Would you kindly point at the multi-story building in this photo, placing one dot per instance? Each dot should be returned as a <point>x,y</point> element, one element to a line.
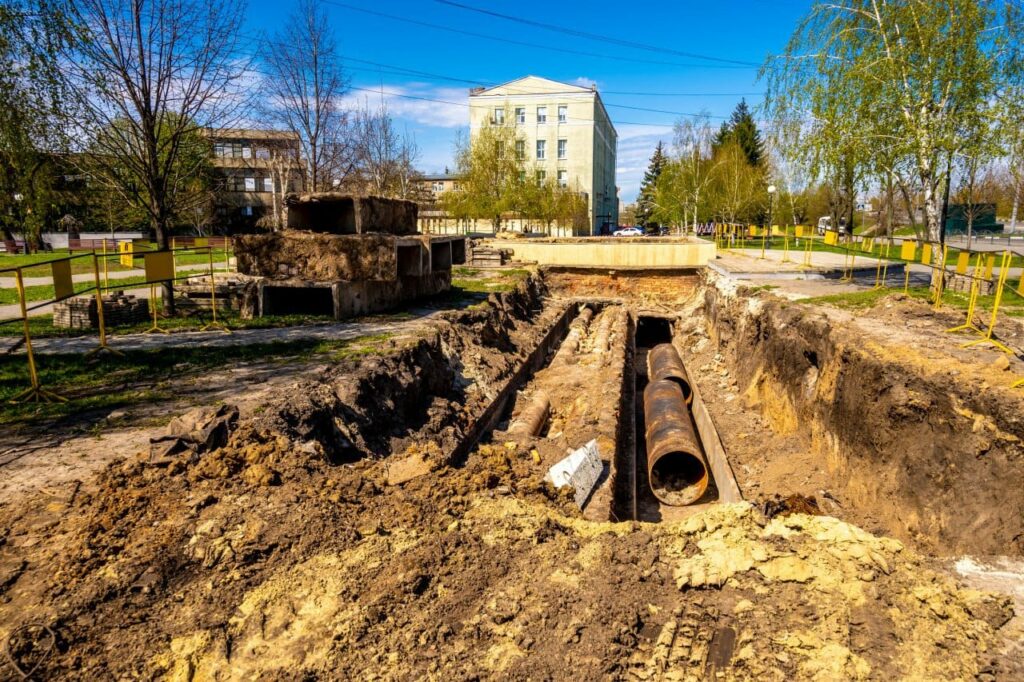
<point>255,169</point>
<point>566,134</point>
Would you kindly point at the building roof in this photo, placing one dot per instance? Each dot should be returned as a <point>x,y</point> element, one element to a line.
<point>439,176</point>
<point>530,85</point>
<point>251,134</point>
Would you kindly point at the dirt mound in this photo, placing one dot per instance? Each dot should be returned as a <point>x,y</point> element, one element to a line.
<point>923,438</point>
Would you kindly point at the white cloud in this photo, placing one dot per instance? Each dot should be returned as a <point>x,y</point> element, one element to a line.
<point>636,144</point>
<point>418,103</point>
<point>584,82</point>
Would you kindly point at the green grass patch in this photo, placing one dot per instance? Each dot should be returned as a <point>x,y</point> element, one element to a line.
<point>41,326</point>
<point>1012,304</point>
<point>147,376</point>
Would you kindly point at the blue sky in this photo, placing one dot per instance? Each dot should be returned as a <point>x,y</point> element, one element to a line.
<point>737,30</point>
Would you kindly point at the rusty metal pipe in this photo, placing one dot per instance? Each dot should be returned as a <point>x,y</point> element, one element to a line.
<point>663,362</point>
<point>533,417</point>
<point>676,467</point>
<point>577,330</point>
<point>604,330</point>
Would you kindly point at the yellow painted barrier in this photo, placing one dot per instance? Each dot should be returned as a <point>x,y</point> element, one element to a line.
<point>799,231</point>
<point>908,250</point>
<point>214,324</point>
<point>926,254</point>
<point>35,392</point>
<point>831,238</point>
<point>63,286</point>
<point>972,300</point>
<point>1004,270</point>
<point>125,249</point>
<point>990,262</point>
<point>962,260</point>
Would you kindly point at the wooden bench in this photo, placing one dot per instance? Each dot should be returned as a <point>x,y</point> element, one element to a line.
<point>92,245</point>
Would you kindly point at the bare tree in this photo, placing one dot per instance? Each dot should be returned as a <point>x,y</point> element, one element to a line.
<point>386,158</point>
<point>150,76</point>
<point>305,83</point>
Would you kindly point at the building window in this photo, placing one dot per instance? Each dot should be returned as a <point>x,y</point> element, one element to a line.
<point>499,116</point>
<point>218,150</point>
<point>520,149</point>
<point>250,184</point>
<point>522,176</point>
<point>262,153</point>
<point>246,152</point>
<point>542,114</point>
<point>268,184</point>
<point>563,113</point>
<point>541,177</point>
<point>541,149</point>
<point>563,178</point>
<point>247,210</point>
<point>500,147</point>
<point>520,114</point>
<point>438,187</point>
<point>563,146</point>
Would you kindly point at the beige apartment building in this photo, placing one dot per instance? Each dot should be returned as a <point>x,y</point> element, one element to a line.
<point>255,169</point>
<point>567,135</point>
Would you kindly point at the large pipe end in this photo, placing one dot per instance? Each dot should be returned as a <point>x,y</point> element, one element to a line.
<point>678,478</point>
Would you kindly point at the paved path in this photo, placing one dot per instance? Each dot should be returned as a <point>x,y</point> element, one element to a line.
<point>341,331</point>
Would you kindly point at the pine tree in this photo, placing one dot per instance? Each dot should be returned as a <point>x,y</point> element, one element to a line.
<point>649,186</point>
<point>742,129</point>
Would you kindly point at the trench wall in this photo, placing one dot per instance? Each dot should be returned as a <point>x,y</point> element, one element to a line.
<point>935,458</point>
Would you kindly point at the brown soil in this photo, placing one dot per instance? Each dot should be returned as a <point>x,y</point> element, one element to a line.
<point>342,533</point>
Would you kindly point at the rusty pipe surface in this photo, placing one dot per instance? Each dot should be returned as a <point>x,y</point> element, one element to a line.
<point>663,362</point>
<point>533,417</point>
<point>604,329</point>
<point>676,468</point>
<point>577,330</point>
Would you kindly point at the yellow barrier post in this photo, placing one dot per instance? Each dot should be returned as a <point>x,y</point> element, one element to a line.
<point>764,241</point>
<point>214,324</point>
<point>104,346</point>
<point>1004,269</point>
<point>106,279</point>
<point>940,283</point>
<point>35,392</point>
<point>785,245</point>
<point>972,301</point>
<point>153,308</point>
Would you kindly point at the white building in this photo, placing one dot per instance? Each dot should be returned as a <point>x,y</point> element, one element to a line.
<point>568,136</point>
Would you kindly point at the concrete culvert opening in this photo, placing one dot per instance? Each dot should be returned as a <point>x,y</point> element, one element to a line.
<point>298,301</point>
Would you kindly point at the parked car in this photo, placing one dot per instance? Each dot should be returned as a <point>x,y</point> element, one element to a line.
<point>628,232</point>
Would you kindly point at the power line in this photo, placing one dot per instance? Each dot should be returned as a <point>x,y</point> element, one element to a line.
<point>593,36</point>
<point>536,46</point>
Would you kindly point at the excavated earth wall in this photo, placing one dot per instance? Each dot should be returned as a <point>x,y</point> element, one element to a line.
<point>933,451</point>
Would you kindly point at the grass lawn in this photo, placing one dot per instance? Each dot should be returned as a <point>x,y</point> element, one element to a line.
<point>41,326</point>
<point>82,264</point>
<point>817,245</point>
<point>1012,303</point>
<point>147,376</point>
<point>473,281</point>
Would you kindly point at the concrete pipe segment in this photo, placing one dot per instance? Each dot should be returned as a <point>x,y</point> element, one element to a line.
<point>532,419</point>
<point>663,362</point>
<point>676,468</point>
<point>577,330</point>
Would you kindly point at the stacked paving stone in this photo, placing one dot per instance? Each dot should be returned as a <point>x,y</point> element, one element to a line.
<point>486,257</point>
<point>79,312</point>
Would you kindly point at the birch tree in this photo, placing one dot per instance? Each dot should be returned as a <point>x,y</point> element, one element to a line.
<point>903,73</point>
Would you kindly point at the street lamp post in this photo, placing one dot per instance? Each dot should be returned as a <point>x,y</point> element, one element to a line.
<point>768,227</point>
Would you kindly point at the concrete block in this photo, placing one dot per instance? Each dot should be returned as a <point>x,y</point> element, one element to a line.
<point>581,469</point>
<point>337,213</point>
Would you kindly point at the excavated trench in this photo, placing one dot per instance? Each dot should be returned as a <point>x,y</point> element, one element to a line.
<point>392,515</point>
<point>546,369</point>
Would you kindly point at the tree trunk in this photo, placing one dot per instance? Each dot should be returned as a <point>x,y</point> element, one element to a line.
<point>1013,212</point>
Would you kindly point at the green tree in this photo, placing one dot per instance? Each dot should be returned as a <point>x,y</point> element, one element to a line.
<point>900,79</point>
<point>741,128</point>
<point>32,33</point>
<point>646,201</point>
<point>491,177</point>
